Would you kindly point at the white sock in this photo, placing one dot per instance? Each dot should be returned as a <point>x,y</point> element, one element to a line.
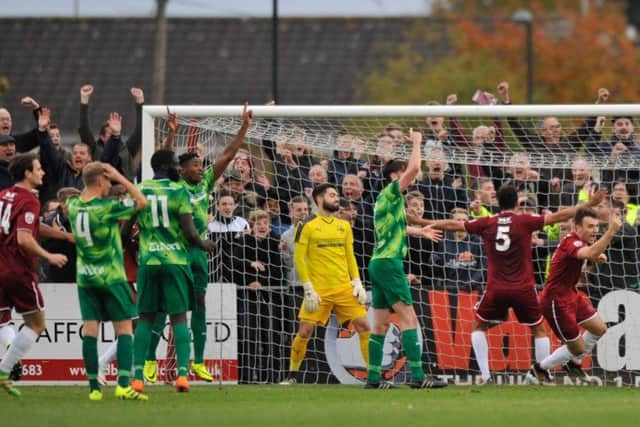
<point>7,333</point>
<point>481,350</point>
<point>542,348</point>
<point>559,357</point>
<point>19,347</point>
<point>109,355</point>
<point>590,341</point>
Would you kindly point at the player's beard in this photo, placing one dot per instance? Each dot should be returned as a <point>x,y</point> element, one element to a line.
<point>330,208</point>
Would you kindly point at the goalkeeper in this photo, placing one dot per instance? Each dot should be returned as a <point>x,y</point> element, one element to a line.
<point>324,258</point>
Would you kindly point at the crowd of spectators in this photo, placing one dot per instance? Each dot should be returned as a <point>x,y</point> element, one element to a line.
<point>254,212</point>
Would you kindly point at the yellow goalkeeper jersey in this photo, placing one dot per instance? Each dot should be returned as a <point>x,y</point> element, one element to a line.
<point>323,252</point>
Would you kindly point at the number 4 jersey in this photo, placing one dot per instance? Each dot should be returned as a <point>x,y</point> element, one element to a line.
<point>161,239</point>
<point>19,210</point>
<point>95,224</point>
<point>507,243</point>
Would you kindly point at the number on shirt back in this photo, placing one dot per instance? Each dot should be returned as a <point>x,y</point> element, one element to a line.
<point>82,226</point>
<point>161,202</point>
<point>503,241</point>
<point>5,217</point>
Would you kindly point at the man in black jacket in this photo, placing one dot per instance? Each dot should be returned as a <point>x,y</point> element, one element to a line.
<point>7,152</point>
<point>128,158</point>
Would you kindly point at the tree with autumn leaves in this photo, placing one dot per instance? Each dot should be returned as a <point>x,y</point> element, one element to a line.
<point>576,51</point>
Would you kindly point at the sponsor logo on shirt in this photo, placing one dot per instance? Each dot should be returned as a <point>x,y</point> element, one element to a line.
<point>163,247</point>
<point>91,270</point>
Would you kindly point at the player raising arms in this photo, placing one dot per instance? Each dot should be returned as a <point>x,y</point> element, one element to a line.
<point>103,291</point>
<point>323,255</point>
<point>564,307</point>
<point>390,289</point>
<point>165,281</point>
<point>199,183</point>
<point>506,237</point>
<point>19,250</point>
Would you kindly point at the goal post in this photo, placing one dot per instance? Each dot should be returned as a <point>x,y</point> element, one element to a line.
<point>554,154</point>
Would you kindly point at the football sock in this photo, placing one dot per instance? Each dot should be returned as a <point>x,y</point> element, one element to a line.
<point>199,330</point>
<point>141,346</point>
<point>364,346</point>
<point>19,347</point>
<point>559,357</point>
<point>542,348</point>
<point>7,333</point>
<point>590,341</point>
<point>90,357</point>
<point>182,340</point>
<point>124,351</point>
<point>376,344</point>
<point>109,355</point>
<point>481,350</point>
<point>413,349</point>
<point>298,351</point>
<point>156,334</point>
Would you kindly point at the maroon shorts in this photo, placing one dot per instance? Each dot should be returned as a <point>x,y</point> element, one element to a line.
<point>20,291</point>
<point>565,315</point>
<point>5,317</point>
<point>494,305</point>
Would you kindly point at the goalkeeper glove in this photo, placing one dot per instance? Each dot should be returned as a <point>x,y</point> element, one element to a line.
<point>311,298</point>
<point>359,291</point>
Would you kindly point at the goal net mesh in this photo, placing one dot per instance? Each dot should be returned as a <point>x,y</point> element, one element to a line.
<point>553,162</point>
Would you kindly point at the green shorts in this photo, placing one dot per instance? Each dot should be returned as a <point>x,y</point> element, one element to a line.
<point>164,288</point>
<point>107,303</point>
<point>199,270</point>
<point>388,283</point>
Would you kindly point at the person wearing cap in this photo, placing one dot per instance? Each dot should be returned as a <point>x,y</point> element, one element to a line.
<point>7,152</point>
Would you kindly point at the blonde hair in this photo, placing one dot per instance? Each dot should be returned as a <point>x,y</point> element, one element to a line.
<point>257,215</point>
<point>91,172</point>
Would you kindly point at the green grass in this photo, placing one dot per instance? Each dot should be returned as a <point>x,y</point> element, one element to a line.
<point>301,406</point>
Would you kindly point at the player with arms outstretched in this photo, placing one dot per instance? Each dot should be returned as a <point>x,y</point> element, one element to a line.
<point>390,289</point>
<point>566,308</point>
<point>199,183</point>
<point>326,264</point>
<point>506,238</point>
<point>19,250</point>
<point>103,291</point>
<point>165,281</point>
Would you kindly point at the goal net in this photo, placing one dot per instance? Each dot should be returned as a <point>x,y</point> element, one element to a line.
<point>554,155</point>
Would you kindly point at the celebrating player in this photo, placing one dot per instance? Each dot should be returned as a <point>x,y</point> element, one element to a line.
<point>165,281</point>
<point>19,249</point>
<point>103,290</point>
<point>199,183</point>
<point>564,307</point>
<point>506,237</point>
<point>390,289</point>
<point>326,264</point>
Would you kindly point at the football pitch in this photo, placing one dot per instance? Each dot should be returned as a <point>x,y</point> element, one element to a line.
<point>311,405</point>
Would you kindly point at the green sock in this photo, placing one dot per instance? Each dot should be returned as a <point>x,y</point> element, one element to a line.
<point>183,347</point>
<point>90,356</point>
<point>140,346</point>
<point>199,330</point>
<point>412,348</point>
<point>376,344</point>
<point>156,334</point>
<point>124,354</point>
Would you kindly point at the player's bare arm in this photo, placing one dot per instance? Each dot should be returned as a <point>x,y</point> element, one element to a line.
<point>113,175</point>
<point>565,214</point>
<point>28,243</point>
<point>413,165</point>
<point>594,252</point>
<point>230,150</point>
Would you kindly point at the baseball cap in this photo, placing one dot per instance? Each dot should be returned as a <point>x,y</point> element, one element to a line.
<point>6,139</point>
